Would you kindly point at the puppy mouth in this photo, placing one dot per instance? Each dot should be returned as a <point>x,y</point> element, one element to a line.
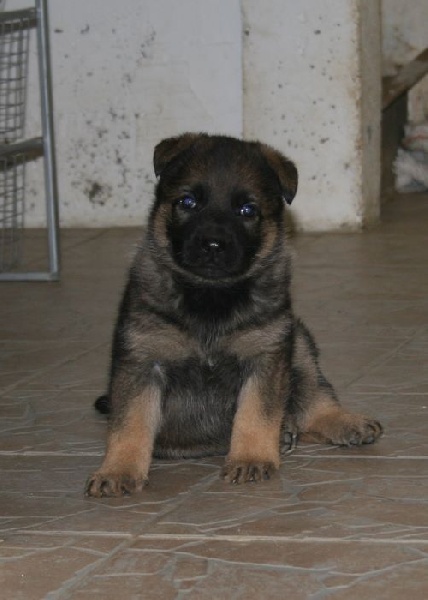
<point>212,258</point>
<point>211,266</point>
<point>211,272</point>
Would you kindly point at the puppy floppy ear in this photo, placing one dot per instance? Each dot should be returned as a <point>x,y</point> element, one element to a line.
<point>171,147</point>
<point>285,169</point>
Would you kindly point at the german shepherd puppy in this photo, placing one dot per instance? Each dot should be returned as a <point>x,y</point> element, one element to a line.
<point>208,357</point>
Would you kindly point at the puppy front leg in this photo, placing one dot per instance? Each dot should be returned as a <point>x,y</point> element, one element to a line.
<point>129,447</point>
<point>254,446</point>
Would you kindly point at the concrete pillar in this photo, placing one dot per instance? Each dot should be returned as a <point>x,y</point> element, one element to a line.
<point>312,82</point>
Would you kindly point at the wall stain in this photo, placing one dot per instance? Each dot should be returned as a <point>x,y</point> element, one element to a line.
<point>123,170</point>
<point>145,47</point>
<point>97,193</point>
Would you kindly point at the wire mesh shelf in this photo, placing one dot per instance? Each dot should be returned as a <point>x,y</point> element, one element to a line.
<point>14,52</point>
<point>12,184</point>
<point>15,152</point>
<point>13,160</point>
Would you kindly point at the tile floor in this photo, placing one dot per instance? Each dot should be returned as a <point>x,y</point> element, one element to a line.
<point>335,523</point>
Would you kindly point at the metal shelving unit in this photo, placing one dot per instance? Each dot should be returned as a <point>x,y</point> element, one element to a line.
<point>15,152</point>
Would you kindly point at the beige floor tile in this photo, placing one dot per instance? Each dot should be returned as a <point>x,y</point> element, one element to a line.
<point>241,570</point>
<point>34,566</point>
<point>333,523</point>
<point>342,497</point>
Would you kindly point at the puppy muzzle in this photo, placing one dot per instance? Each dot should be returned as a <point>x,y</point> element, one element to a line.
<point>213,252</point>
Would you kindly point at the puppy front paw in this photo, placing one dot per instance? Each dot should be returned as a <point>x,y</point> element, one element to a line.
<point>104,484</point>
<point>236,471</point>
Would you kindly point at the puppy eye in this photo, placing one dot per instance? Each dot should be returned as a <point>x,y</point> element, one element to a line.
<point>248,210</point>
<point>187,202</point>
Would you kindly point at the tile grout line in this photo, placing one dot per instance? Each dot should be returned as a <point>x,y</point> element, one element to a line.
<point>280,538</point>
<point>97,454</point>
<point>221,537</point>
<point>54,453</point>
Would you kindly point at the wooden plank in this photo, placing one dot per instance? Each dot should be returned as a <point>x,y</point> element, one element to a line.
<point>406,78</point>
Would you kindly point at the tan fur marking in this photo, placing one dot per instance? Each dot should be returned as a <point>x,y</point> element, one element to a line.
<point>133,442</point>
<point>129,448</point>
<point>320,414</point>
<point>303,357</point>
<point>263,339</point>
<point>255,439</point>
<point>164,342</point>
<point>328,422</point>
<point>270,234</point>
<point>159,226</point>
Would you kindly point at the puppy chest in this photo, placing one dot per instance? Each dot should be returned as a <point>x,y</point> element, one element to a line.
<point>201,390</point>
<point>213,376</point>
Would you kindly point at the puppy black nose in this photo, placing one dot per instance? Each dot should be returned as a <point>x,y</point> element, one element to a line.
<point>212,246</point>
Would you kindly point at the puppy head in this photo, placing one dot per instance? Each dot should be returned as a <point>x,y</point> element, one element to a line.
<point>219,204</point>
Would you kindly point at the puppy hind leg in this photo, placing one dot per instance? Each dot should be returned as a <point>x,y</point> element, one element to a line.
<point>321,418</point>
<point>328,422</point>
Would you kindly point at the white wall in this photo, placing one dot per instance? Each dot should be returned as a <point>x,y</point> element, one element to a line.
<point>127,74</point>
<point>304,80</point>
